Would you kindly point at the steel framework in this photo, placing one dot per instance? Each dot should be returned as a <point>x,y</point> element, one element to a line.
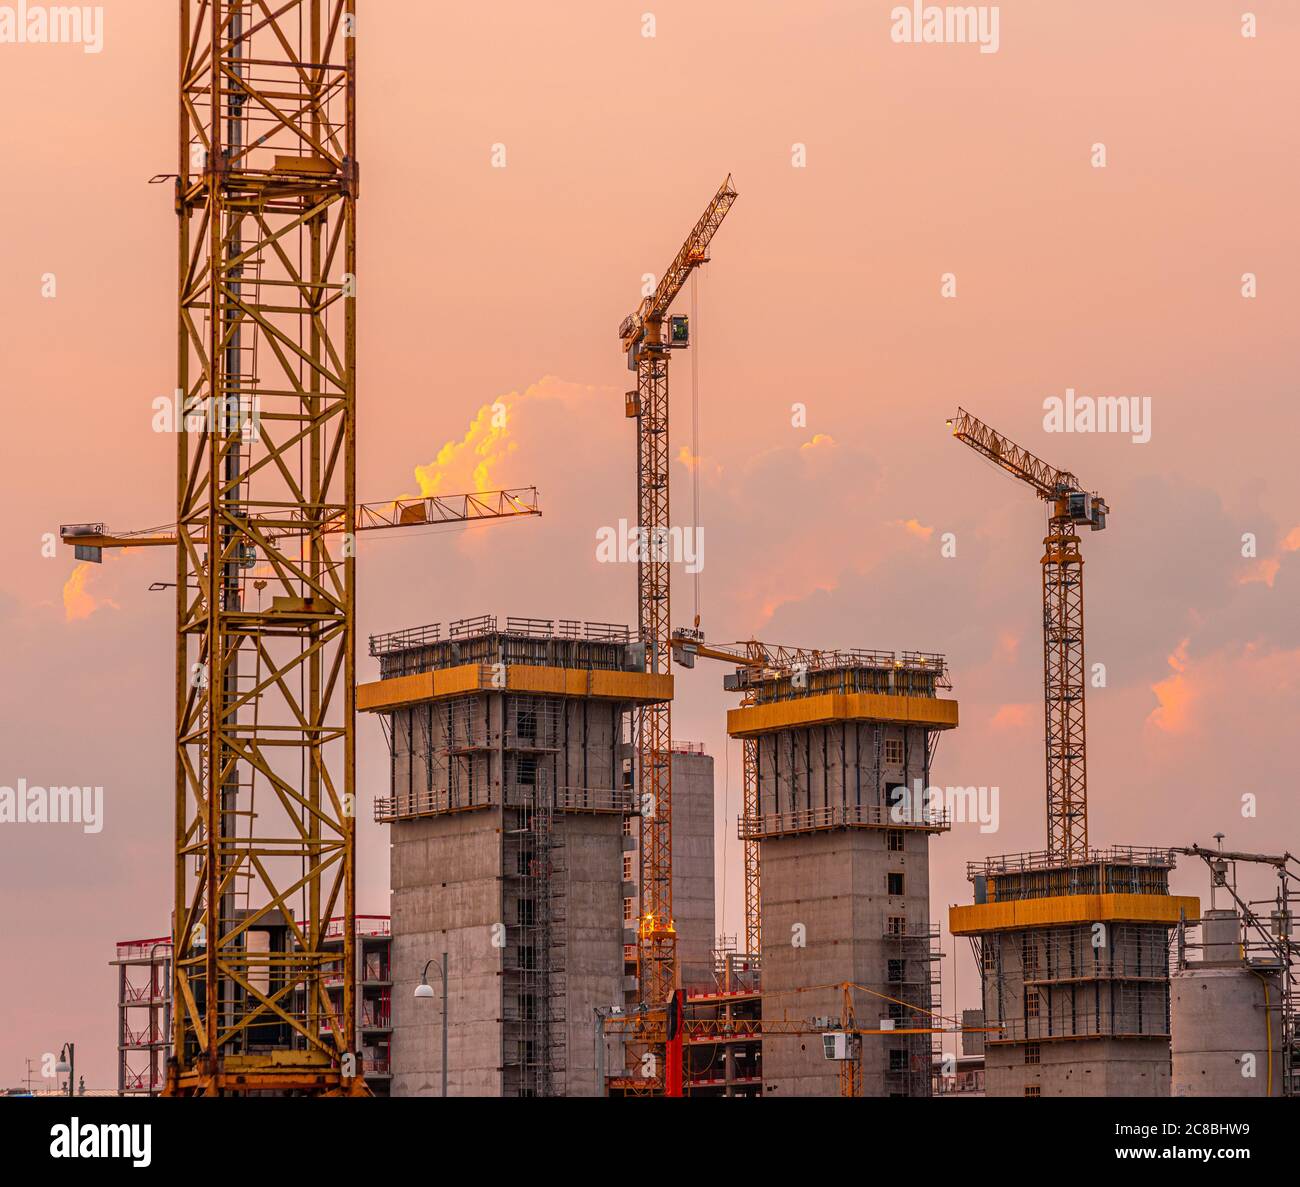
<point>652,1028</point>
<point>1266,941</point>
<point>1063,673</point>
<point>642,338</point>
<point>266,199</point>
<point>90,539</point>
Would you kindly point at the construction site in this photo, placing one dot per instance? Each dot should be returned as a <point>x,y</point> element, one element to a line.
<point>553,927</point>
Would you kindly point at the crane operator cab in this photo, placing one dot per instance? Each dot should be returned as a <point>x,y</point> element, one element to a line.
<point>1089,509</point>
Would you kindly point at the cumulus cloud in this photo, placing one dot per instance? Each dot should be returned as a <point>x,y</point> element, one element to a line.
<point>78,600</point>
<point>475,461</point>
<point>1009,717</point>
<point>914,527</point>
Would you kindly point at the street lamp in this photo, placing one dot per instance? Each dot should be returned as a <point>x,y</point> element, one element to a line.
<point>424,990</point>
<point>67,1063</point>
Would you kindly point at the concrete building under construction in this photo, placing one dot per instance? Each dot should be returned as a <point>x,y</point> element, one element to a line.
<point>511,781</point>
<point>694,909</point>
<point>144,1003</point>
<point>144,1014</point>
<point>1227,1017</point>
<point>842,749</point>
<point>1074,966</point>
<point>1234,1015</point>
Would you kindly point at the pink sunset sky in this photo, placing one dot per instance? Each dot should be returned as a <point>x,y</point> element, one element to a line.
<point>480,284</point>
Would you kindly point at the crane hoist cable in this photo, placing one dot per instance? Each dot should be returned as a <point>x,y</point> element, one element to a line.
<point>695,439</point>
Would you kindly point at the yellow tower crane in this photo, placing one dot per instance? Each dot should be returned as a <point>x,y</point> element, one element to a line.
<point>266,189</point>
<point>266,194</point>
<point>1070,506</point>
<point>647,349</point>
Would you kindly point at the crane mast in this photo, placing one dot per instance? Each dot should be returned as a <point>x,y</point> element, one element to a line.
<point>642,338</point>
<point>264,805</point>
<point>1069,506</point>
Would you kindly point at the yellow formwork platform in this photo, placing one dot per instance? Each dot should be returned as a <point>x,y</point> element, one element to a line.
<point>645,688</point>
<point>825,708</point>
<point>1018,914</point>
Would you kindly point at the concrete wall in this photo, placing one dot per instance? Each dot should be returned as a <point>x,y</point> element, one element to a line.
<point>694,910</point>
<point>835,765</point>
<point>694,883</point>
<point>593,944</point>
<point>448,883</point>
<point>1082,1067</point>
<point>446,896</point>
<point>825,910</point>
<point>1220,1030</point>
<point>573,743</point>
<point>1103,993</point>
<point>1082,988</point>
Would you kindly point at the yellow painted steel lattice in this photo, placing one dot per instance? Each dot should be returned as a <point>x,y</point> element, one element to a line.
<point>265,660</point>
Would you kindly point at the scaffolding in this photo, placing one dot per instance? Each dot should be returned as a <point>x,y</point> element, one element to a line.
<point>723,1050</point>
<point>480,639</point>
<point>535,1007</point>
<point>373,977</point>
<point>143,1015</point>
<point>1082,981</point>
<point>914,984</point>
<point>1120,869</point>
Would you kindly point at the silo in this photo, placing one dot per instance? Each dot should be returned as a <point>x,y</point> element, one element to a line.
<point>1225,1018</point>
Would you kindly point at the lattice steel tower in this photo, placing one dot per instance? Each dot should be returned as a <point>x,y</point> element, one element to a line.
<point>1071,506</point>
<point>265,658</point>
<point>642,338</point>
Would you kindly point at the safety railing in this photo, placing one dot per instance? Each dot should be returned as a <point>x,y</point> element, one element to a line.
<point>1016,863</point>
<point>806,820</point>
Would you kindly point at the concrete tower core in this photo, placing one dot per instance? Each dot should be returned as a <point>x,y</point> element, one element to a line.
<point>1227,1014</point>
<point>511,781</point>
<point>694,909</point>
<point>844,862</point>
<point>1074,964</point>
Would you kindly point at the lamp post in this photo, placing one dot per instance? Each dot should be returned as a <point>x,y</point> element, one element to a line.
<point>67,1063</point>
<point>423,990</point>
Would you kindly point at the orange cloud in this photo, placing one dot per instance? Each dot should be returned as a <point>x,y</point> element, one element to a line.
<point>1174,694</point>
<point>1008,645</point>
<point>1010,717</point>
<point>819,441</point>
<point>473,461</point>
<point>1265,568</point>
<point>771,605</point>
<point>470,460</point>
<point>914,527</point>
<point>78,601</point>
